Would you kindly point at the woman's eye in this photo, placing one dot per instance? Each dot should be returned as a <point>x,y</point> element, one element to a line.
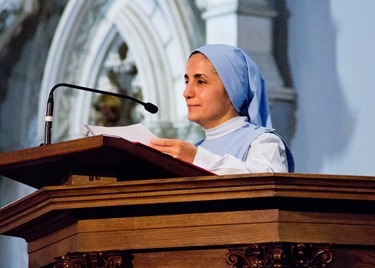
<point>201,82</point>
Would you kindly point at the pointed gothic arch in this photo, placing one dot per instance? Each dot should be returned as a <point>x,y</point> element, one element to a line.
<point>160,35</point>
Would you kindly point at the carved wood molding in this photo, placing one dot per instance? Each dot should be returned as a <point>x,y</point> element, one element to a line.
<point>104,259</point>
<point>280,255</point>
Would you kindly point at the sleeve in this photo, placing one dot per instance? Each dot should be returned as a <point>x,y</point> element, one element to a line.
<point>266,154</point>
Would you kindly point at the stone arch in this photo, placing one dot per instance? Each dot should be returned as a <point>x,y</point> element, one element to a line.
<point>161,36</point>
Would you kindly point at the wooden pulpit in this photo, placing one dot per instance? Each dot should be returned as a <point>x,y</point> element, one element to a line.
<point>107,202</point>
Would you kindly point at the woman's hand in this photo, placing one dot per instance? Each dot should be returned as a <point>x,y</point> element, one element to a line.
<point>182,150</point>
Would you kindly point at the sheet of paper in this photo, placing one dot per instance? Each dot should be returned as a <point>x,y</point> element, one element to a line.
<point>135,133</point>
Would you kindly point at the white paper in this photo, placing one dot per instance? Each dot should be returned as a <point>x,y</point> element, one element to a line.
<point>134,133</point>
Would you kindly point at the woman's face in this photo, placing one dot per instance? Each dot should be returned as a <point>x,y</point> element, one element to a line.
<point>207,101</point>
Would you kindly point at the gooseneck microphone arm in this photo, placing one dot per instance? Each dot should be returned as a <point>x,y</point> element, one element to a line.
<point>49,113</point>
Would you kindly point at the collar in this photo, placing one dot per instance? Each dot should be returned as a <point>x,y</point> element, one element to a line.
<point>226,127</point>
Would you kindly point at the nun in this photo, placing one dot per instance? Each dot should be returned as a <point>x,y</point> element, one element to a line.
<point>225,94</point>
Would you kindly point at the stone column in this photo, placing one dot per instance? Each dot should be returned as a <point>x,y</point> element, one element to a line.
<point>249,24</point>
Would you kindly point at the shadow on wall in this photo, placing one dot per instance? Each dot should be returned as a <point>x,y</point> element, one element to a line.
<point>324,123</point>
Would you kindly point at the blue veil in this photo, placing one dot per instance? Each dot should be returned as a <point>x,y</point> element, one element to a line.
<point>242,81</point>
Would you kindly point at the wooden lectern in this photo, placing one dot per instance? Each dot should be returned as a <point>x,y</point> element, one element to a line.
<point>107,202</point>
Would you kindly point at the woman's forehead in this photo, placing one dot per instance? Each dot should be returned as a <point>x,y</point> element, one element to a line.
<point>199,63</point>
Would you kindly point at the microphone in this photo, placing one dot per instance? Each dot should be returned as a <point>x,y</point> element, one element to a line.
<point>152,108</point>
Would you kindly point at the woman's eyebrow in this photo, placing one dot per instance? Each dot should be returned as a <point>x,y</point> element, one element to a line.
<point>196,76</point>
<point>199,75</point>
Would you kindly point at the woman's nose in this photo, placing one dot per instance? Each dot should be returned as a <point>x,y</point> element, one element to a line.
<point>188,92</point>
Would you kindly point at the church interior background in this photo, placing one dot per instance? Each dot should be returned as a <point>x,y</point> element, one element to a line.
<point>139,48</point>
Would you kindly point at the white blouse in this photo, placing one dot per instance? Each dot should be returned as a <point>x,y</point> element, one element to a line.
<point>266,153</point>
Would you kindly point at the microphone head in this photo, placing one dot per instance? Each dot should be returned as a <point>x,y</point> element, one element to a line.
<point>152,108</point>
